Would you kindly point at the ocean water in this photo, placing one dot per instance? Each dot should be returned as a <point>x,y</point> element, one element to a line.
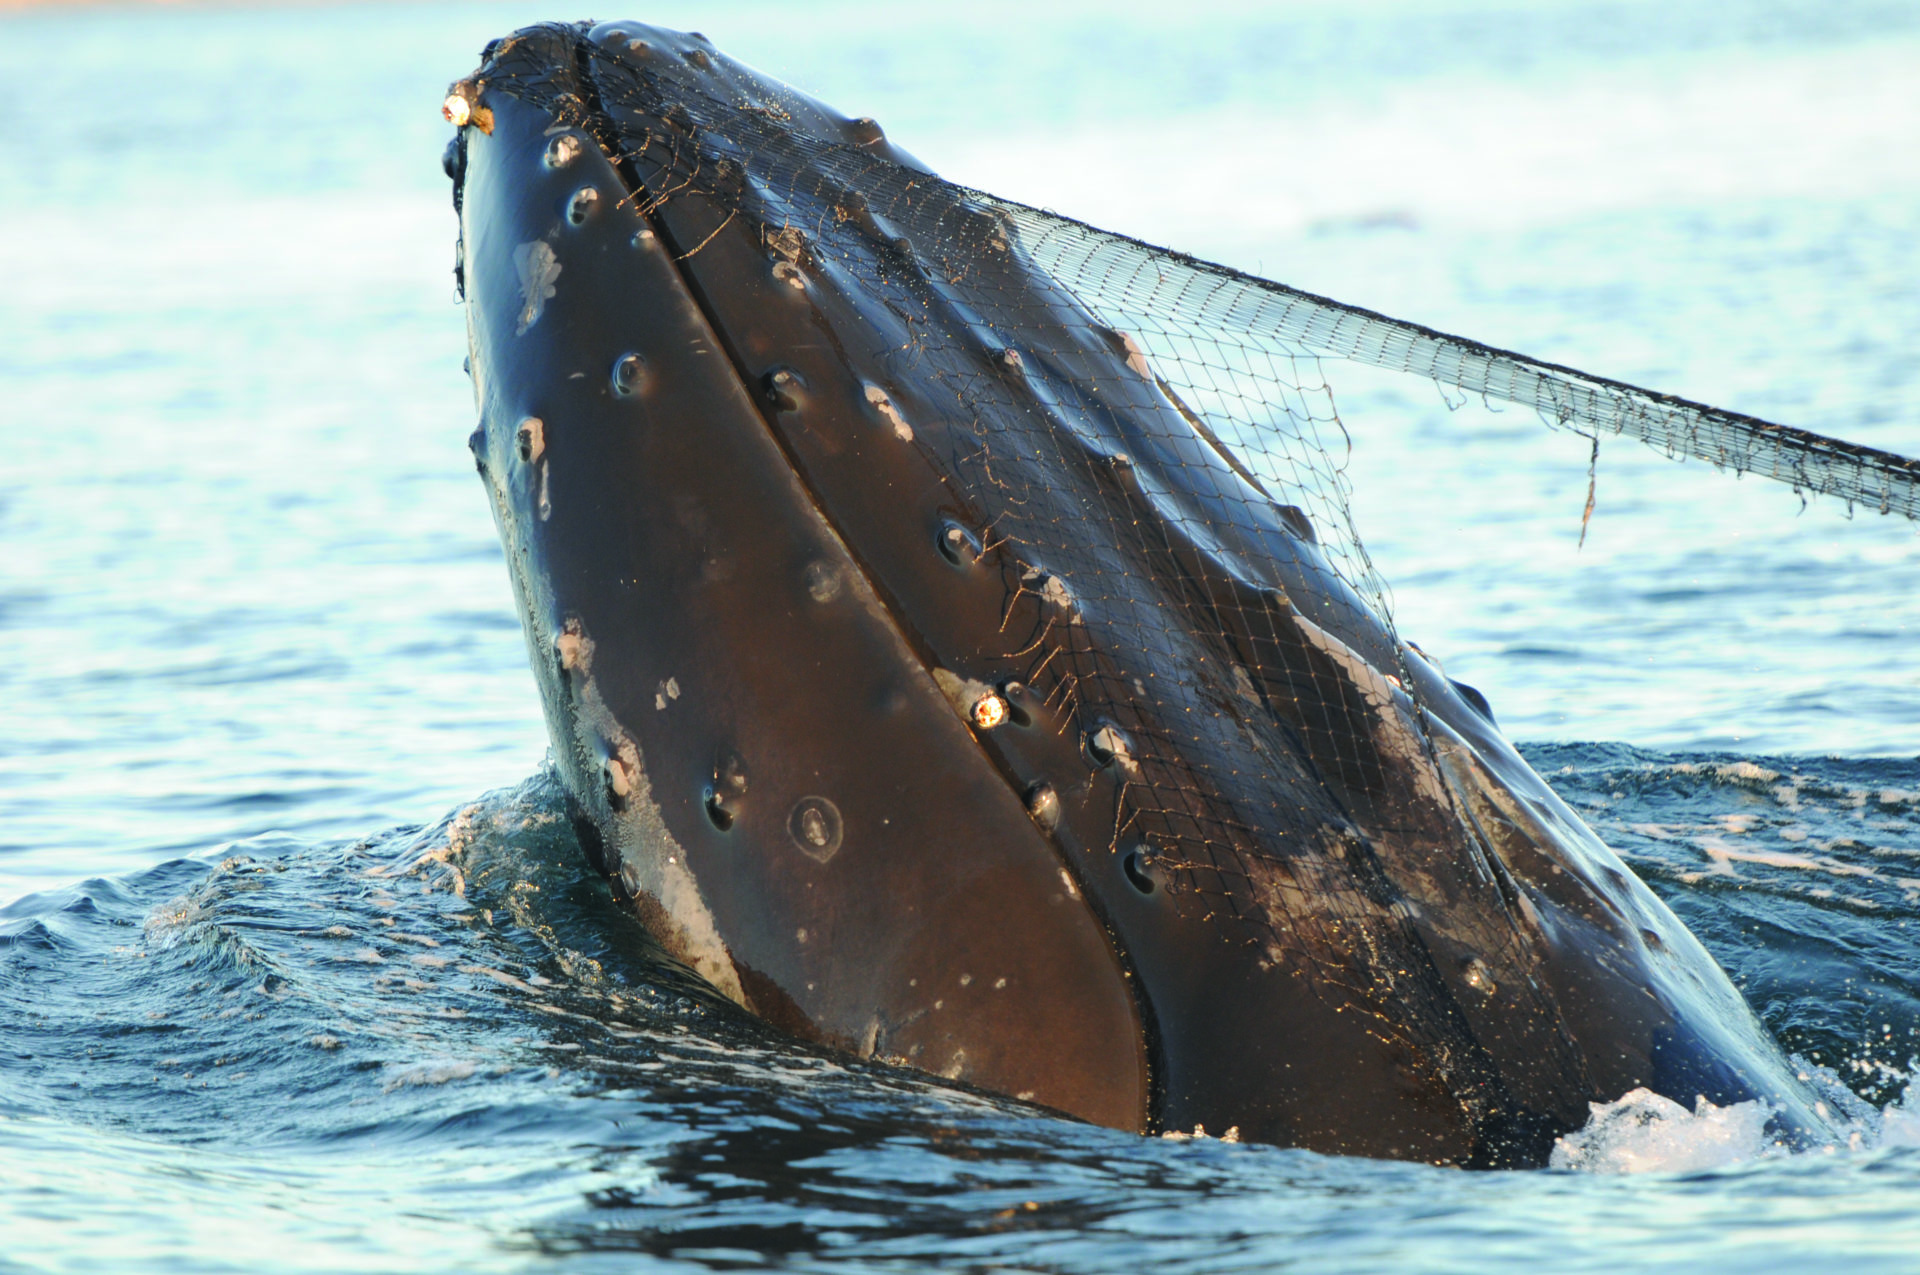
<point>298,967</point>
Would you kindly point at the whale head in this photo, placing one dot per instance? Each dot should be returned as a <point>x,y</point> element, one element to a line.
<point>958,652</point>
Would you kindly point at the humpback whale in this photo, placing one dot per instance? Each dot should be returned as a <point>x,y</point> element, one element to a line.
<point>960,667</point>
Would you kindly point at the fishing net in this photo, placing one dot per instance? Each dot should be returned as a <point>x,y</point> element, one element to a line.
<point>1243,356</point>
<point>1206,543</point>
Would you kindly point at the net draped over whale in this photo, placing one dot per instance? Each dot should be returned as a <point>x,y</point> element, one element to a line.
<point>1233,360</point>
<point>1243,353</point>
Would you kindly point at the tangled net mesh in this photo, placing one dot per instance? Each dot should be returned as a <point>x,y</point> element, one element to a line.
<point>1070,351</point>
<point>1243,357</point>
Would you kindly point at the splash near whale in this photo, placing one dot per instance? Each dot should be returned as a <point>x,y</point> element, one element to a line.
<point>957,650</point>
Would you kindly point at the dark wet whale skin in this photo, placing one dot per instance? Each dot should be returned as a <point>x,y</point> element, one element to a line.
<point>1208,874</point>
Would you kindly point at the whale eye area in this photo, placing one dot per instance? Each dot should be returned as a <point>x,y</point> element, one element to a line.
<point>1138,866</point>
<point>581,206</point>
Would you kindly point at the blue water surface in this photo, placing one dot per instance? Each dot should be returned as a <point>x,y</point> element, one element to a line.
<point>298,968</point>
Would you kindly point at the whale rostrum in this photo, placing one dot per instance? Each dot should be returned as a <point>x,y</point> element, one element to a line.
<point>974,671</point>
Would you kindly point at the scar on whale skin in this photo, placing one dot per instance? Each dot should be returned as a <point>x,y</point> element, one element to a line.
<point>651,864</point>
<point>539,272</point>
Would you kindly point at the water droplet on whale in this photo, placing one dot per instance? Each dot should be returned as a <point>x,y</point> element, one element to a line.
<point>629,375</point>
<point>823,581</point>
<point>786,389</point>
<point>1141,869</point>
<point>958,545</point>
<point>1043,805</point>
<point>815,827</point>
<point>618,782</point>
<point>729,787</point>
<point>1107,744</point>
<point>1019,702</point>
<point>1478,976</point>
<point>717,813</point>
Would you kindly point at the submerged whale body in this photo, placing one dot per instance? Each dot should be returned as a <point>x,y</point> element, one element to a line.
<point>944,684</point>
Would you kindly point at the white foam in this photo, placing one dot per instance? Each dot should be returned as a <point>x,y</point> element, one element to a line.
<point>1747,771</point>
<point>1647,1133</point>
<point>1900,1122</point>
<point>428,1073</point>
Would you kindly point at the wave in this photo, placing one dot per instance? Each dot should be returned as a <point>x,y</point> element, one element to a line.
<point>446,1043</point>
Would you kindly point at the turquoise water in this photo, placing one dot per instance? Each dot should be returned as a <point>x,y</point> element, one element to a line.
<point>296,964</point>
